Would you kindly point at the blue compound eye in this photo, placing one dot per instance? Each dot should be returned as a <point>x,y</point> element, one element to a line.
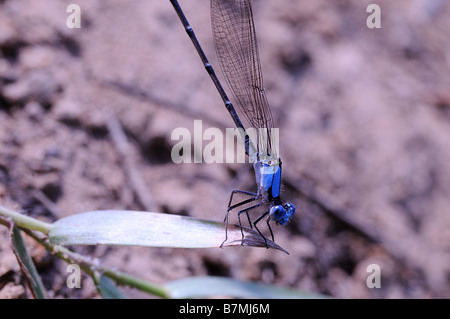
<point>282,213</point>
<point>290,210</point>
<point>277,213</point>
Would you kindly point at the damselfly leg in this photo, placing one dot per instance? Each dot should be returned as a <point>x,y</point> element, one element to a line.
<point>253,197</point>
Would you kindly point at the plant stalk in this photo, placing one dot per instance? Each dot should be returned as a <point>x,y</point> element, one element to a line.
<point>25,222</point>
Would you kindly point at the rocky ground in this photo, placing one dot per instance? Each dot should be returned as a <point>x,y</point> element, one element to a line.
<point>364,118</point>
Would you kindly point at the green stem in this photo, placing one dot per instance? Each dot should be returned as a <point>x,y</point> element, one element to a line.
<point>25,222</point>
<point>137,283</point>
<point>90,266</point>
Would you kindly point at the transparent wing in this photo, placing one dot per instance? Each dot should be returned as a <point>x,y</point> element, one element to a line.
<point>237,51</point>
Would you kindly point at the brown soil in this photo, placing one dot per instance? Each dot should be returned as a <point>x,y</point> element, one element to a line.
<point>364,118</point>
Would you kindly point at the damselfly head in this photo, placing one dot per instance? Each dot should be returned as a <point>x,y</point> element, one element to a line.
<point>282,213</point>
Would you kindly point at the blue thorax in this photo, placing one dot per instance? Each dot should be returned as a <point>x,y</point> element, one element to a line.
<point>268,178</point>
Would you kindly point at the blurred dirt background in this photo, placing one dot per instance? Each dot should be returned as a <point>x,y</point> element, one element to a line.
<point>364,118</point>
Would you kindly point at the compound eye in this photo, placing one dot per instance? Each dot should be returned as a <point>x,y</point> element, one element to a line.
<point>290,209</point>
<point>277,213</point>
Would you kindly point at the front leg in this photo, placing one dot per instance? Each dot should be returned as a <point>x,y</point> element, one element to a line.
<point>270,229</point>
